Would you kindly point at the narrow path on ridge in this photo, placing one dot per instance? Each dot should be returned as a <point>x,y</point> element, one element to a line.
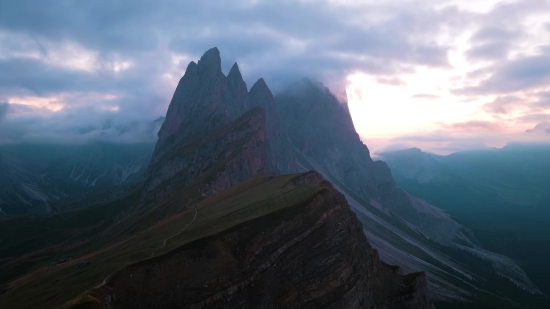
<point>181,231</point>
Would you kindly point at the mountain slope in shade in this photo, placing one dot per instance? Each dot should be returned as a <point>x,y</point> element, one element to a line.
<point>499,193</point>
<point>513,179</point>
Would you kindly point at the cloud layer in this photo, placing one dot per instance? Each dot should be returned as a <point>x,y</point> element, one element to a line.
<point>75,71</point>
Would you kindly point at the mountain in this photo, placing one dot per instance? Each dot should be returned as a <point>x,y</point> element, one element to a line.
<point>501,194</point>
<point>514,178</point>
<point>315,132</point>
<point>288,241</point>
<point>44,178</point>
<point>407,231</point>
<point>216,222</point>
<point>217,129</point>
<point>227,215</point>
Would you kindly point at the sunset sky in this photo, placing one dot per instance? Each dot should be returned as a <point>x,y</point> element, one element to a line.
<point>440,75</point>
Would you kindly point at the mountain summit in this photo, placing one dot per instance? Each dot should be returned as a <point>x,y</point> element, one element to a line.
<point>212,126</point>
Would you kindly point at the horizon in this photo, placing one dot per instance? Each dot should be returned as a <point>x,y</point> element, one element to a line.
<point>443,77</point>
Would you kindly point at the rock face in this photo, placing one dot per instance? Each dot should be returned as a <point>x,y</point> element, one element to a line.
<point>208,104</point>
<point>321,131</point>
<point>309,256</point>
<point>226,156</point>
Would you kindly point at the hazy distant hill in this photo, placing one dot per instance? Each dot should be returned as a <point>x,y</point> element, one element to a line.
<point>36,178</point>
<point>502,194</point>
<point>513,179</point>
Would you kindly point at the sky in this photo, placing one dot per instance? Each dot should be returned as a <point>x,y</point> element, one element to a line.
<point>443,75</point>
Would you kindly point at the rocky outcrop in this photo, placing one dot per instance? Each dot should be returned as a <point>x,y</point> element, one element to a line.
<point>227,156</point>
<point>313,255</point>
<point>280,160</point>
<point>206,103</point>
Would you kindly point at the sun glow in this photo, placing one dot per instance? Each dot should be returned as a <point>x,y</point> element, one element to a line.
<point>53,104</point>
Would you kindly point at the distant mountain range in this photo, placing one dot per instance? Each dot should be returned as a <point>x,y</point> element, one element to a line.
<point>502,194</point>
<point>45,178</point>
<point>217,207</point>
<point>515,178</point>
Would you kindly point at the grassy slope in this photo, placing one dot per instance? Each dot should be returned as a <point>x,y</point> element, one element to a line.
<point>254,198</point>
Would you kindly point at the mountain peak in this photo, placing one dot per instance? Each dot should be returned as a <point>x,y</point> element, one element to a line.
<point>235,81</point>
<point>259,86</point>
<point>191,67</point>
<point>210,61</point>
<point>235,73</point>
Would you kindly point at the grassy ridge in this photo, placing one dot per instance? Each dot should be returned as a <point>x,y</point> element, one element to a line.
<point>261,196</point>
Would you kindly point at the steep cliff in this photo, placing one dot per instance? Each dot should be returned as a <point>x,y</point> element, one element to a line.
<point>311,255</point>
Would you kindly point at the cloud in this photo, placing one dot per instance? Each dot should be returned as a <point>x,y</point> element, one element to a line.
<point>541,127</point>
<point>392,81</point>
<point>522,74</point>
<point>473,126</point>
<point>489,51</point>
<point>66,127</point>
<point>89,69</point>
<point>425,96</point>
<point>503,104</point>
<point>492,34</point>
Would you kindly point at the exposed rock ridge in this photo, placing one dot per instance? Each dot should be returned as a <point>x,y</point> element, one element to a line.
<point>307,256</point>
<point>278,151</point>
<point>205,102</point>
<point>227,156</point>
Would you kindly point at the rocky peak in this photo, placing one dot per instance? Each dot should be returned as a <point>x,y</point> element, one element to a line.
<point>207,104</point>
<point>261,96</point>
<point>210,62</point>
<point>278,151</point>
<point>317,121</point>
<point>234,78</point>
<point>238,88</point>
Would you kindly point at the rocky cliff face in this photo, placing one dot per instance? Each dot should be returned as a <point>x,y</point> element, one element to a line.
<point>226,156</point>
<point>313,255</point>
<point>205,128</point>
